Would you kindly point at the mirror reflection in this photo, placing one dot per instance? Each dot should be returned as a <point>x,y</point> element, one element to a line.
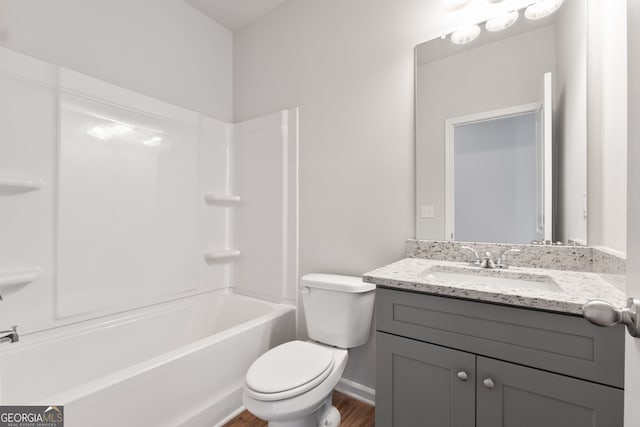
<point>501,132</point>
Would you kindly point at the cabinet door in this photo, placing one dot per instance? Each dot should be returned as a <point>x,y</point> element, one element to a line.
<point>525,397</point>
<point>423,385</point>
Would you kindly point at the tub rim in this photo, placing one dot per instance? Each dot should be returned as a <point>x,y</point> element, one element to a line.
<point>83,327</point>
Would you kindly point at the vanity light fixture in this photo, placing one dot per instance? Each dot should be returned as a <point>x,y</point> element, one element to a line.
<point>452,5</point>
<point>542,8</point>
<point>502,22</point>
<point>465,35</point>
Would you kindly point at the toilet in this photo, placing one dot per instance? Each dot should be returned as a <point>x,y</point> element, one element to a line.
<point>292,384</point>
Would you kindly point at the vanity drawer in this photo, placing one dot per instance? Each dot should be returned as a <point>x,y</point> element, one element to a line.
<point>559,343</point>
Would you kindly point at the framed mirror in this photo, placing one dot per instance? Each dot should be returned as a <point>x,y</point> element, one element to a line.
<point>501,132</point>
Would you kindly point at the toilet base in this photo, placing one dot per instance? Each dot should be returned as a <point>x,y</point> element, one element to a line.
<point>326,416</point>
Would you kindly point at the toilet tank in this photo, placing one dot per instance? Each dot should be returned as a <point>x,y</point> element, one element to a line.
<point>338,309</point>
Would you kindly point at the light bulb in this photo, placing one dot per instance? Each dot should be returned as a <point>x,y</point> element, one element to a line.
<point>542,9</point>
<point>452,5</point>
<point>502,22</point>
<point>465,35</point>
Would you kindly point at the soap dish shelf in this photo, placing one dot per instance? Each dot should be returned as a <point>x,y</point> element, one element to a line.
<point>18,277</point>
<point>15,185</point>
<point>221,199</point>
<point>222,255</point>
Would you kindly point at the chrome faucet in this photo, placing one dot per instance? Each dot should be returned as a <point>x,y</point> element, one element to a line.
<point>12,335</point>
<point>487,261</point>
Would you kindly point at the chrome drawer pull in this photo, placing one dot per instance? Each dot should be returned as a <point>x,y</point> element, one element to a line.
<point>463,376</point>
<point>488,383</point>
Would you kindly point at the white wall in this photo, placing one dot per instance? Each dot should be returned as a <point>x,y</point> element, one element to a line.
<point>614,126</point>
<point>607,156</point>
<point>349,67</point>
<point>570,122</point>
<point>165,48</point>
<point>506,73</point>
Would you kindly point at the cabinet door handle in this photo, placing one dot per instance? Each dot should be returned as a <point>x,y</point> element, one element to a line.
<point>463,376</point>
<point>488,383</point>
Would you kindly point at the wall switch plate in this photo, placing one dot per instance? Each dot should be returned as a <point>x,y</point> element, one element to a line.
<point>427,212</point>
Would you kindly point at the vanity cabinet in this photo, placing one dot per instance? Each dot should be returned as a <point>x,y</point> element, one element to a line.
<point>450,362</point>
<point>418,384</point>
<point>518,396</point>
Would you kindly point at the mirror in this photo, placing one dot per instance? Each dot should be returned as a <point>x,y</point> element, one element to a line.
<point>501,133</point>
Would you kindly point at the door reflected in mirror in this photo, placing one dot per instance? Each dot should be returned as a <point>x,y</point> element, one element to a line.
<point>501,150</point>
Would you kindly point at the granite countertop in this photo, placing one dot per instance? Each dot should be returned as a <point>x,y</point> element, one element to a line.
<point>559,291</point>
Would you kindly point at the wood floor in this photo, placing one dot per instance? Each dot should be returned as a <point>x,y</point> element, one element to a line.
<point>353,412</point>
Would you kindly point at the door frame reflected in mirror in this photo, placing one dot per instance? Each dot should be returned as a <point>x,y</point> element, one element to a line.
<point>540,226</point>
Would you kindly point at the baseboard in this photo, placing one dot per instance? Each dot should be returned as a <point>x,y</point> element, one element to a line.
<point>357,391</point>
<point>230,416</point>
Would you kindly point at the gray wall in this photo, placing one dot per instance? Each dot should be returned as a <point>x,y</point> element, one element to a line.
<point>493,76</point>
<point>495,180</point>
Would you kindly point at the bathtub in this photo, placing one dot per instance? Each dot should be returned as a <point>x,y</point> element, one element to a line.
<point>177,364</point>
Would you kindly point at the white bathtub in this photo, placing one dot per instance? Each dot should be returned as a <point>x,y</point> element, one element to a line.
<point>179,364</point>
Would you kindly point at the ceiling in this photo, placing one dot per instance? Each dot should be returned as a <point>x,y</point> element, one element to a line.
<point>234,14</point>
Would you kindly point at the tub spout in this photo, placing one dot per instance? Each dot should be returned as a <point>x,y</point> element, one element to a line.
<point>11,335</point>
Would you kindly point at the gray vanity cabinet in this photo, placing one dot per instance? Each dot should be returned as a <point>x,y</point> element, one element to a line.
<point>445,362</point>
<point>526,397</point>
<point>422,384</point>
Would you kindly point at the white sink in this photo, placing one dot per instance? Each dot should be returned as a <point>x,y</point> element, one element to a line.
<point>495,279</point>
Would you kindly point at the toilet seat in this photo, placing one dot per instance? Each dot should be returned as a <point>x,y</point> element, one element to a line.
<point>289,370</point>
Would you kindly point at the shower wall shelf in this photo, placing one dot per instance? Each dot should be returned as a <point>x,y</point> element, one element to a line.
<point>220,199</point>
<point>213,256</point>
<point>18,277</point>
<point>13,184</point>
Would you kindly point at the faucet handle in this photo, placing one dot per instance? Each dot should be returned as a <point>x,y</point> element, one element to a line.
<point>475,253</point>
<point>509,251</point>
<point>502,258</point>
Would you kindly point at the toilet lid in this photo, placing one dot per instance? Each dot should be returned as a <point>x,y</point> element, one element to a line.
<point>290,366</point>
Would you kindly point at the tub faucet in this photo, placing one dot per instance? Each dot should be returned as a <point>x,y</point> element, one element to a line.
<point>12,335</point>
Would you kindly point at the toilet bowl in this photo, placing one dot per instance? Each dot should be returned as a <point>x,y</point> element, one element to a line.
<point>286,392</point>
<point>292,384</point>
